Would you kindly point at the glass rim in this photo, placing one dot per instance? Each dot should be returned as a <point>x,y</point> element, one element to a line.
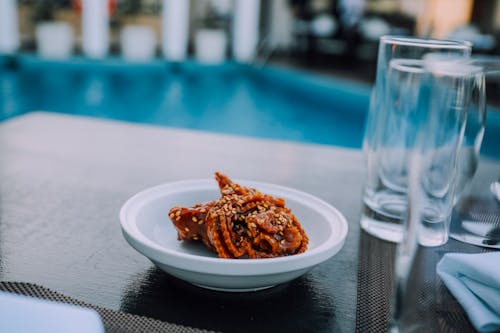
<point>430,43</point>
<point>452,67</point>
<point>415,66</point>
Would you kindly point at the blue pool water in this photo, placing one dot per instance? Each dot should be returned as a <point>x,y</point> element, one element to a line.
<point>237,99</point>
<point>267,102</point>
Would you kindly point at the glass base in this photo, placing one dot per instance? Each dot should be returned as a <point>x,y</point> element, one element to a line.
<point>381,226</point>
<point>476,220</point>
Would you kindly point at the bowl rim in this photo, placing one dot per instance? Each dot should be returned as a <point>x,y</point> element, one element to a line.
<point>235,267</point>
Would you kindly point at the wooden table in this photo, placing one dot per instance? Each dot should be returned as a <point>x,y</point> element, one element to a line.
<point>64,179</point>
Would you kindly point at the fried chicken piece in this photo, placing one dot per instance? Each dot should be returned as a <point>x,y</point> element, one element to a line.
<point>242,223</point>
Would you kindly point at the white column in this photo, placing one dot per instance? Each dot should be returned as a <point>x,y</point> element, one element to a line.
<point>95,28</point>
<point>9,29</point>
<point>245,29</point>
<point>280,23</point>
<point>175,29</point>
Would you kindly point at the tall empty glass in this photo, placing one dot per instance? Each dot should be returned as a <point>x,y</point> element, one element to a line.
<point>451,95</point>
<point>390,133</point>
<point>476,120</point>
<point>476,218</point>
<point>447,95</point>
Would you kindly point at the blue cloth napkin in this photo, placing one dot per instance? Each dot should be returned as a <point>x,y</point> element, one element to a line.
<point>474,280</point>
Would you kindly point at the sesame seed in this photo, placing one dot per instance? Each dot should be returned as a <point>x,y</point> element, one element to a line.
<point>186,229</point>
<point>194,219</point>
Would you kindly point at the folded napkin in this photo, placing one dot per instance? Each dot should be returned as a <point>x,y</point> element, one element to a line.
<point>474,280</point>
<point>27,314</point>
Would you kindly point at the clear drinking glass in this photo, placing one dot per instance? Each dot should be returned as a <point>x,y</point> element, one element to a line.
<point>389,134</point>
<point>476,217</point>
<point>454,97</point>
<point>447,95</point>
<point>476,119</point>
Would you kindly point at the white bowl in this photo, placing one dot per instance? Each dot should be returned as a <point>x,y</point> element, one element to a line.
<point>146,226</point>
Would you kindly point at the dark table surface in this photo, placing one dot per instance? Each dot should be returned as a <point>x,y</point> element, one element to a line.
<point>64,179</point>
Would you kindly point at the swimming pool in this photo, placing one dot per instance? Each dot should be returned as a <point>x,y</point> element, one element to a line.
<point>267,102</point>
<point>263,102</point>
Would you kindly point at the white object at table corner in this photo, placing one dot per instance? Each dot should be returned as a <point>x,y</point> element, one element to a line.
<point>474,280</point>
<point>23,314</point>
<point>146,226</point>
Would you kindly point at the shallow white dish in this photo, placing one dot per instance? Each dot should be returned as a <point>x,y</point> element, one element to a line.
<point>146,226</point>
